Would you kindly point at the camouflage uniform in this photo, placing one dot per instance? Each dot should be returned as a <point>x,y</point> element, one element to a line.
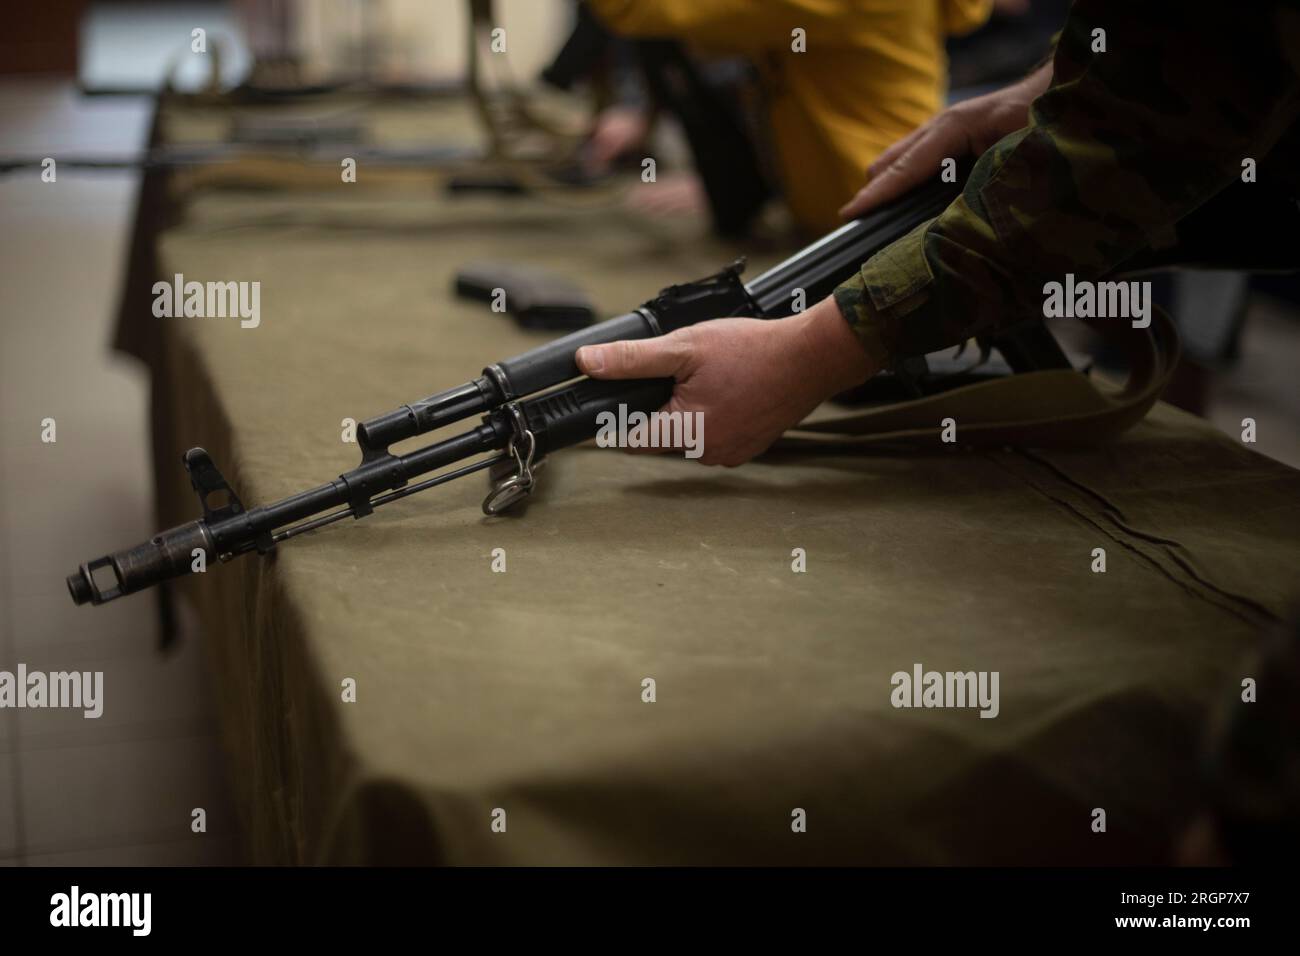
<point>1122,146</point>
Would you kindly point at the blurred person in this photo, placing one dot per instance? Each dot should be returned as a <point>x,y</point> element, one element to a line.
<point>721,131</point>
<point>862,74</point>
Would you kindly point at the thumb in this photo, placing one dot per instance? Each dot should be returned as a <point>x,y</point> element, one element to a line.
<point>665,356</point>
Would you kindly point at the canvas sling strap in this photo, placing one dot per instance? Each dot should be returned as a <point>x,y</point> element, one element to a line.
<point>1054,407</point>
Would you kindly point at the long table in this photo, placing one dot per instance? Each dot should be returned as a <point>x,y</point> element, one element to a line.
<point>505,717</point>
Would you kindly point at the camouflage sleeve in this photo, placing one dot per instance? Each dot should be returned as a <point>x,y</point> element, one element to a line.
<point>1123,144</point>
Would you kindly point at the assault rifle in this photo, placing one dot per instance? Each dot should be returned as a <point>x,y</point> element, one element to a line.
<point>532,405</point>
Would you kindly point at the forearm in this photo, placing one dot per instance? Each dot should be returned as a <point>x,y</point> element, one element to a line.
<point>840,358</point>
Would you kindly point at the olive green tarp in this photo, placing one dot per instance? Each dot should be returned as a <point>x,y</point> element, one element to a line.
<point>522,691</point>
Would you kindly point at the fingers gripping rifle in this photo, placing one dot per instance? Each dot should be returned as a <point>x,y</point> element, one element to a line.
<point>530,405</point>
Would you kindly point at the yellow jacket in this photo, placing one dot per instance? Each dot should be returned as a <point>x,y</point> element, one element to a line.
<point>871,72</point>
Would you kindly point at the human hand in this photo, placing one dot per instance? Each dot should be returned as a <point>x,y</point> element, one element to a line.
<point>751,379</point>
<point>966,128</point>
<point>618,130</point>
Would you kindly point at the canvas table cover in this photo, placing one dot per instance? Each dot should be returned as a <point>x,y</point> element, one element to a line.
<point>480,691</point>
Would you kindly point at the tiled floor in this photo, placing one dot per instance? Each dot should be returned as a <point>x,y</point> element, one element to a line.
<point>119,789</point>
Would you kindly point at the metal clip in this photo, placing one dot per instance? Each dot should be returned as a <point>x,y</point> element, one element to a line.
<point>520,477</point>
